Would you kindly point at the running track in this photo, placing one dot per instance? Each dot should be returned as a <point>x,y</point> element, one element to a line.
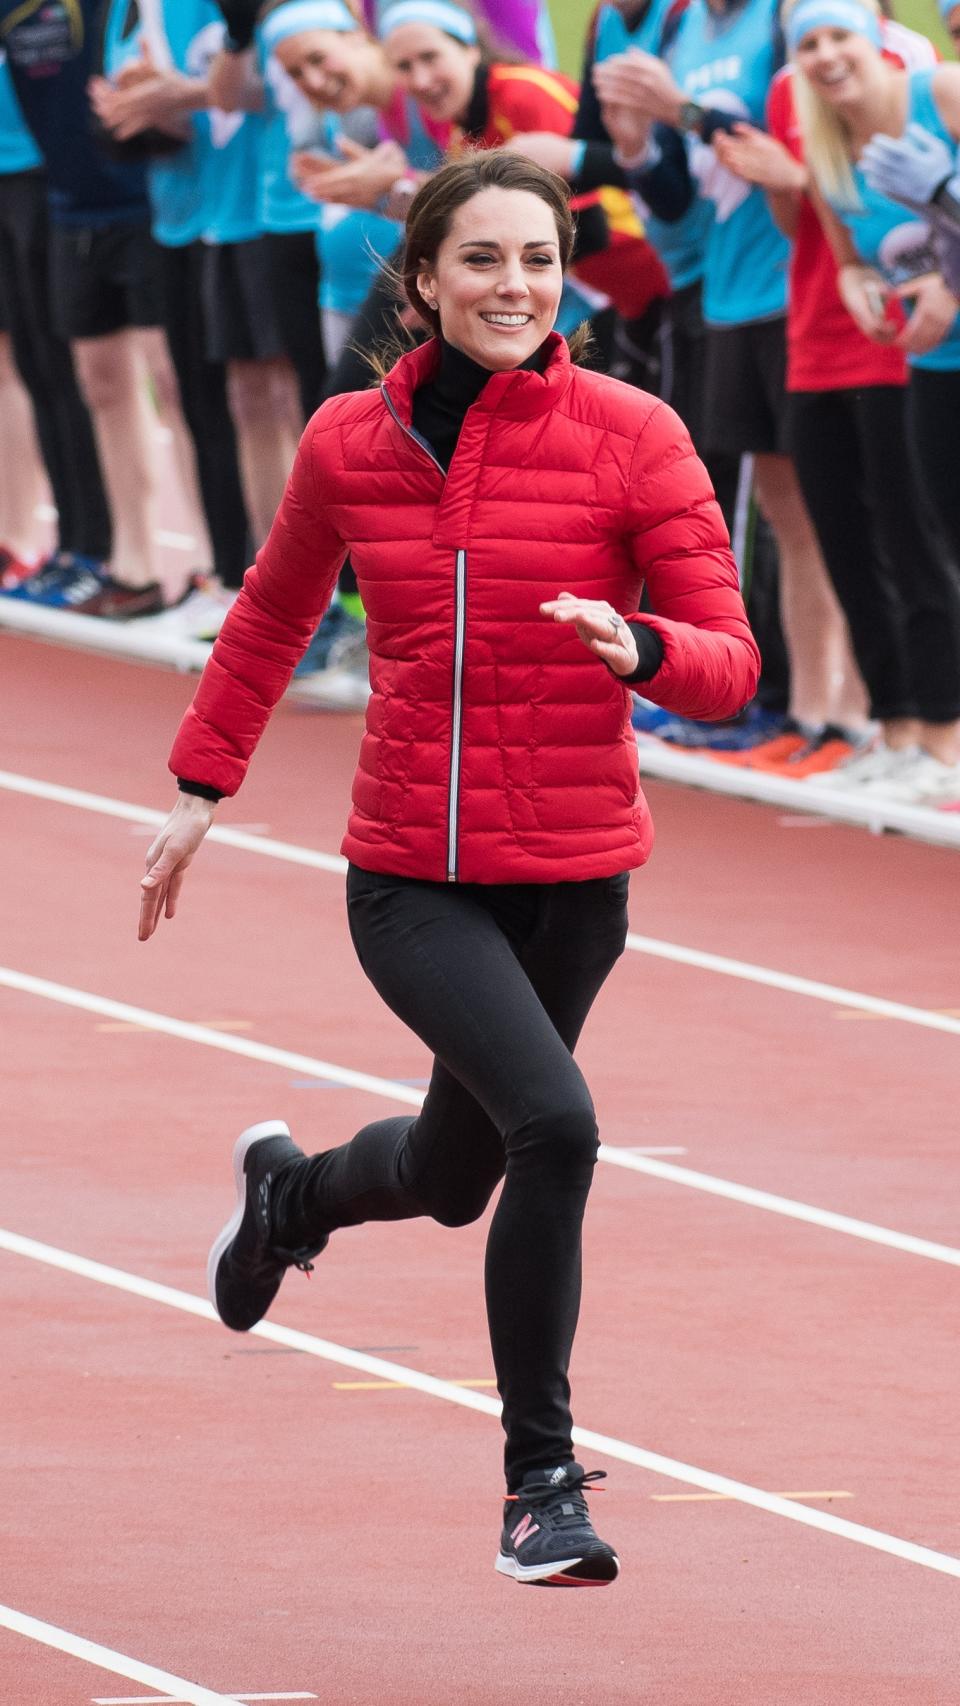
<point>188,1513</point>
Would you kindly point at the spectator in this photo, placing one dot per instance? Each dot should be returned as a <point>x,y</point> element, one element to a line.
<point>103,286</point>
<point>846,91</point>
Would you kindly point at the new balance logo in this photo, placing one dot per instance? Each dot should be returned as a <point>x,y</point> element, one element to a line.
<point>524,1529</point>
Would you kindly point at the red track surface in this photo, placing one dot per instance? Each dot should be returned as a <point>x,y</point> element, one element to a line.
<point>218,1507</point>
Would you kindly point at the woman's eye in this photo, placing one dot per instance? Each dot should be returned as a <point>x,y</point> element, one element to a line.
<point>541,260</point>
<point>479,260</point>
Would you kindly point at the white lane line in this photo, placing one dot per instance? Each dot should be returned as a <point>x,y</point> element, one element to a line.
<point>222,1040</point>
<point>649,945</point>
<point>752,1198</point>
<point>470,1399</point>
<point>808,986</point>
<point>48,1635</point>
<point>283,850</point>
<point>392,1090</point>
<point>168,1699</point>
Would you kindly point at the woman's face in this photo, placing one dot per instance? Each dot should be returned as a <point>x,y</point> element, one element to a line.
<point>840,64</point>
<point>953,26</point>
<point>332,67</point>
<point>496,279</point>
<point>436,70</point>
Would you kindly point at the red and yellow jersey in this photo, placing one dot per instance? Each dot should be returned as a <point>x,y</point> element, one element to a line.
<point>513,99</point>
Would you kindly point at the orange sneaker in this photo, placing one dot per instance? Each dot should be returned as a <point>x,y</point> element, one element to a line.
<point>790,739</point>
<point>821,753</point>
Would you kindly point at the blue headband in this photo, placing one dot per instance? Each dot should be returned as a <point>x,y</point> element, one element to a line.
<point>442,14</point>
<point>832,15</point>
<point>302,15</point>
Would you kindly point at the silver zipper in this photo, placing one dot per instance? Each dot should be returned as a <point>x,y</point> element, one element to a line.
<point>460,626</point>
<point>459,645</point>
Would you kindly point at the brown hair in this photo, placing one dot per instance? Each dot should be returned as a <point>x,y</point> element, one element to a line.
<point>435,203</point>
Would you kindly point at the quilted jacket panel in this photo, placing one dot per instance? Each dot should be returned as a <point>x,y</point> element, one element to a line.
<point>514,761</point>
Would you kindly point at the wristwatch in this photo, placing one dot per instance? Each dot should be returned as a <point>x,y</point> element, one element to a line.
<point>691,116</point>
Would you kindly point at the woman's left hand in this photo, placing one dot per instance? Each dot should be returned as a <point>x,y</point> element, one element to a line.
<point>601,628</point>
<point>934,311</point>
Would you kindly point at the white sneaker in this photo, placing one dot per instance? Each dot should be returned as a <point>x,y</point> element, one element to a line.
<point>199,615</point>
<point>875,764</point>
<point>923,781</point>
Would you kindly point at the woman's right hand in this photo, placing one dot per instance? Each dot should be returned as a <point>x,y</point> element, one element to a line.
<point>167,859</point>
<point>864,295</point>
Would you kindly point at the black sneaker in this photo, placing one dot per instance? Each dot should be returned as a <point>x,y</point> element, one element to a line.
<point>245,1267</point>
<point>548,1537</point>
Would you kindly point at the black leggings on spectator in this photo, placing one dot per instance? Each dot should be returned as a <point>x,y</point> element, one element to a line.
<point>296,275</point>
<point>933,409</point>
<point>497,980</point>
<point>206,410</point>
<point>64,429</point>
<point>896,584</point>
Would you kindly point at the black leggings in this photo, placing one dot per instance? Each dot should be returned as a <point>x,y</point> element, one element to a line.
<point>497,981</point>
<point>896,584</point>
<point>933,407</point>
<point>45,364</point>
<point>206,410</point>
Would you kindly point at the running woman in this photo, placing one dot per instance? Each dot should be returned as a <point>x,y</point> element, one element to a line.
<point>503,508</point>
<point>846,92</point>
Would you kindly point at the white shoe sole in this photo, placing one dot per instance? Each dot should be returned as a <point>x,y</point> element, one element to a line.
<point>508,1566</point>
<point>253,1134</point>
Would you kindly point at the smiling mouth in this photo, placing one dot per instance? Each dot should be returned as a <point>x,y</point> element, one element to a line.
<point>507,319</point>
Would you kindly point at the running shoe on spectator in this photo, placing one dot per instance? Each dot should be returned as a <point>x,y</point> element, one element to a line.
<point>13,569</point>
<point>548,1537</point>
<point>737,735</point>
<point>112,601</point>
<point>875,763</point>
<point>818,755</point>
<point>922,781</point>
<point>783,743</point>
<point>199,613</point>
<point>336,624</point>
<point>344,682</point>
<point>62,582</point>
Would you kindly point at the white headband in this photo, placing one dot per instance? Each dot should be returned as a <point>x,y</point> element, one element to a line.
<point>300,15</point>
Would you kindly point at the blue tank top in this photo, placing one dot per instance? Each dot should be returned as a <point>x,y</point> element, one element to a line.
<point>681,245</point>
<point>352,244</point>
<point>236,145</point>
<point>728,62</point>
<point>179,184</point>
<point>894,240</point>
<point>18,151</point>
<point>289,122</point>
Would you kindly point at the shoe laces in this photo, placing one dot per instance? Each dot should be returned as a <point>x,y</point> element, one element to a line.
<point>302,1258</point>
<point>566,1495</point>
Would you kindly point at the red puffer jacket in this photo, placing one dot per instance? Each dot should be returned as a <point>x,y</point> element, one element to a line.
<point>497,748</point>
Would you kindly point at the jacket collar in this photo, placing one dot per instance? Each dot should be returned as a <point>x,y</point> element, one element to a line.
<point>519,394</point>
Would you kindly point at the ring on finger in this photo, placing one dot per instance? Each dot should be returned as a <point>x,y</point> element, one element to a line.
<point>614,621</point>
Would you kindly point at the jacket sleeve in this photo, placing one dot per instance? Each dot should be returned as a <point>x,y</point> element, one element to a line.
<point>266,633</point>
<point>678,540</point>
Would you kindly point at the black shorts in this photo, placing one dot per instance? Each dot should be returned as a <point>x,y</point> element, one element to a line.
<point>239,303</point>
<point>744,391</point>
<point>102,280</point>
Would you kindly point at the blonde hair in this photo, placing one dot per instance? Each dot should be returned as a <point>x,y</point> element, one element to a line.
<point>826,140</point>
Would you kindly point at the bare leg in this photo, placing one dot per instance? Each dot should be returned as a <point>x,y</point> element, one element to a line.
<point>111,376</point>
<point>22,485</point>
<point>166,391</point>
<point>263,401</point>
<point>825,684</point>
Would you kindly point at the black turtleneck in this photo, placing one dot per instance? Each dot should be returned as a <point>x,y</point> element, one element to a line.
<point>440,405</point>
<point>438,411</point>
